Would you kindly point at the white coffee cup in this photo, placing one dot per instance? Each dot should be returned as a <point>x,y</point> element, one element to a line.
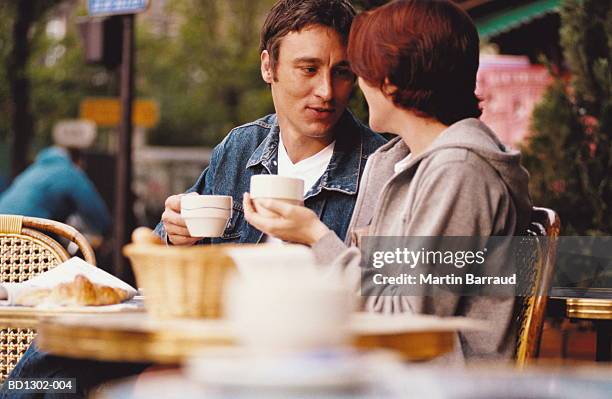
<point>288,189</point>
<point>206,215</point>
<point>288,309</point>
<point>250,260</point>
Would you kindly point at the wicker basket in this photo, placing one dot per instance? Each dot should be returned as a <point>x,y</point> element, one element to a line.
<point>180,282</point>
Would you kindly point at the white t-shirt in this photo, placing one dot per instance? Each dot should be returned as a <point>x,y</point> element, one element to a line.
<point>309,169</point>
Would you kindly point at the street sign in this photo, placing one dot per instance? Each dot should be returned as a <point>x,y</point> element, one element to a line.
<point>115,7</point>
<point>74,133</point>
<point>106,111</point>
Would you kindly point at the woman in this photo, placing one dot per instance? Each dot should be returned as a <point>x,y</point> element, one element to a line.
<point>446,174</point>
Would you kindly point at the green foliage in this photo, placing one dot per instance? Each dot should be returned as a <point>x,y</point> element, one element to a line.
<point>586,36</point>
<point>358,105</point>
<point>203,70</point>
<point>201,63</point>
<point>58,75</point>
<point>570,153</point>
<point>60,80</point>
<point>552,156</point>
<point>6,14</point>
<point>207,77</point>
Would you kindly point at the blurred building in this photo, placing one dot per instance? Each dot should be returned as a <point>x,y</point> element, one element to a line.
<point>510,88</point>
<point>516,37</point>
<point>518,27</point>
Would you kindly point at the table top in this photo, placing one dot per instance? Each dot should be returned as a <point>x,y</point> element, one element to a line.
<point>137,337</point>
<point>577,292</point>
<point>592,309</point>
<point>581,303</point>
<point>30,317</point>
<point>128,337</point>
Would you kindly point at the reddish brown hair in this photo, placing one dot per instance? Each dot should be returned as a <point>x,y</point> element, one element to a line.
<point>429,49</point>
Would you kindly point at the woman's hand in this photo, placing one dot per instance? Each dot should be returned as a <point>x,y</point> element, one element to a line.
<point>291,222</point>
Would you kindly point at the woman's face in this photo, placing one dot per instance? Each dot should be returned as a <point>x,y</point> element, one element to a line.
<point>380,106</point>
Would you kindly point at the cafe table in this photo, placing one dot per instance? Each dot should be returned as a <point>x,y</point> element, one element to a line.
<point>136,337</point>
<point>130,337</point>
<point>31,317</point>
<point>593,304</point>
<point>599,311</point>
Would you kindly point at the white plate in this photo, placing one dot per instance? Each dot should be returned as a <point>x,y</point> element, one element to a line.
<point>333,370</point>
<point>133,305</point>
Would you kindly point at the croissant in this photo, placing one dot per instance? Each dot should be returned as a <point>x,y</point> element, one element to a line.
<point>79,292</point>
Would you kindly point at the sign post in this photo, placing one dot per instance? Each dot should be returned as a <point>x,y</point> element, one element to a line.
<point>106,111</point>
<point>123,177</point>
<point>75,133</point>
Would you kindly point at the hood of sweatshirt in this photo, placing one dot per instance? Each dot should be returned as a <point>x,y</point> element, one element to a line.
<point>473,135</point>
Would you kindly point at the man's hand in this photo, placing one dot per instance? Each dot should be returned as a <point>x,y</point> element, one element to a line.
<point>292,222</point>
<point>175,224</point>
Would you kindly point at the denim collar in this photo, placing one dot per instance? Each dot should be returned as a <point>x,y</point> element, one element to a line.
<point>266,153</point>
<point>342,173</point>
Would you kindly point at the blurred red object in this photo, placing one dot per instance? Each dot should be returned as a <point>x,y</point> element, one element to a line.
<point>510,88</point>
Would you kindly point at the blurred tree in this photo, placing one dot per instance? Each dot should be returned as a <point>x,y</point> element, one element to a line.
<point>358,104</point>
<point>61,79</point>
<point>6,14</point>
<point>570,155</point>
<point>206,74</point>
<point>25,14</point>
<point>199,59</point>
<point>43,77</point>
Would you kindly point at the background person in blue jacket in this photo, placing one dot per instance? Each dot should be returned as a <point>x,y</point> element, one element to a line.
<point>54,187</point>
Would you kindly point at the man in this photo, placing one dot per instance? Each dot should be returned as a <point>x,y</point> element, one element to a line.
<point>303,59</point>
<point>55,187</point>
<point>311,136</point>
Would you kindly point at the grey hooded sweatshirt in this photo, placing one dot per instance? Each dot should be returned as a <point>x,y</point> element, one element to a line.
<point>465,184</point>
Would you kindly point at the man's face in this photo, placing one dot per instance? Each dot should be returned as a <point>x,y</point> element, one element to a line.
<point>312,81</point>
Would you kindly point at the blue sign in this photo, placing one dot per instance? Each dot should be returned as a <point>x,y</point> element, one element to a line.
<point>109,7</point>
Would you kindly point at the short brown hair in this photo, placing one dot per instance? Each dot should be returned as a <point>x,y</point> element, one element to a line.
<point>428,49</point>
<point>294,15</point>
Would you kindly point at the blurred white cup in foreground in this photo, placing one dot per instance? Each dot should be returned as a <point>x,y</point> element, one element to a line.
<point>251,260</point>
<point>206,215</point>
<point>285,309</point>
<point>282,188</point>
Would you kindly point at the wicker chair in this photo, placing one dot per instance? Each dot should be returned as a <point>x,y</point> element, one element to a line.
<point>544,223</point>
<point>28,250</point>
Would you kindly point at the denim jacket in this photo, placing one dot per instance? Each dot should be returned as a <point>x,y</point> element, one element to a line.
<point>252,149</point>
